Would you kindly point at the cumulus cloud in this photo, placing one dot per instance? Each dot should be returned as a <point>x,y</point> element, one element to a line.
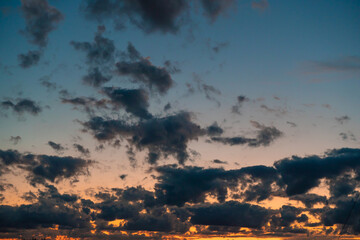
<point>43,168</point>
<point>143,71</point>
<point>302,174</point>
<point>29,59</point>
<point>135,101</point>
<point>160,136</point>
<point>21,106</point>
<point>155,16</point>
<point>40,19</point>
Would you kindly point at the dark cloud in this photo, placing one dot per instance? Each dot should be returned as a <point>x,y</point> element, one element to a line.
<point>40,19</point>
<point>160,136</point>
<point>87,104</point>
<point>302,174</point>
<point>57,147</point>
<point>21,106</point>
<point>230,213</point>
<point>123,176</point>
<point>346,213</point>
<point>144,72</point>
<point>213,8</point>
<point>342,119</point>
<point>177,186</point>
<point>40,168</point>
<point>15,140</point>
<point>309,199</point>
<point>288,215</point>
<point>95,78</point>
<point>167,107</point>
<point>214,130</point>
<point>99,52</point>
<point>29,59</point>
<point>265,136</point>
<point>81,149</point>
<point>240,100</point>
<point>135,101</point>
<point>217,161</point>
<point>159,15</point>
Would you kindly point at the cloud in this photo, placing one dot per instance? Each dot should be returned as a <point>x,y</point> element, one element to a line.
<point>202,87</point>
<point>240,100</point>
<point>265,136</point>
<point>217,161</point>
<point>230,213</point>
<point>81,149</point>
<point>57,147</point>
<point>214,130</point>
<point>144,72</point>
<point>95,78</point>
<point>347,136</point>
<point>177,186</point>
<point>155,16</point>
<point>302,174</point>
<point>51,209</point>
<point>309,199</point>
<point>87,104</point>
<point>213,8</point>
<point>342,119</point>
<point>29,59</point>
<point>135,101</point>
<point>42,168</point>
<point>22,106</point>
<point>15,140</point>
<point>40,19</point>
<point>160,136</point>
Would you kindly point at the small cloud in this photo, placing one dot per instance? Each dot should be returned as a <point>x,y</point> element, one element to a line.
<point>15,140</point>
<point>342,119</point>
<point>217,161</point>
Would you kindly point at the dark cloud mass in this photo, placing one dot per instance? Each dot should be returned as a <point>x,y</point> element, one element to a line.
<point>21,106</point>
<point>144,72</point>
<point>180,198</point>
<point>40,168</point>
<point>29,59</point>
<point>302,174</point>
<point>159,15</point>
<point>160,136</point>
<point>135,101</point>
<point>40,19</point>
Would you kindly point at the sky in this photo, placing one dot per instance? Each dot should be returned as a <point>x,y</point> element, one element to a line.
<point>178,119</point>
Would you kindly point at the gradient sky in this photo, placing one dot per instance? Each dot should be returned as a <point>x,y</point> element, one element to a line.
<point>179,119</point>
